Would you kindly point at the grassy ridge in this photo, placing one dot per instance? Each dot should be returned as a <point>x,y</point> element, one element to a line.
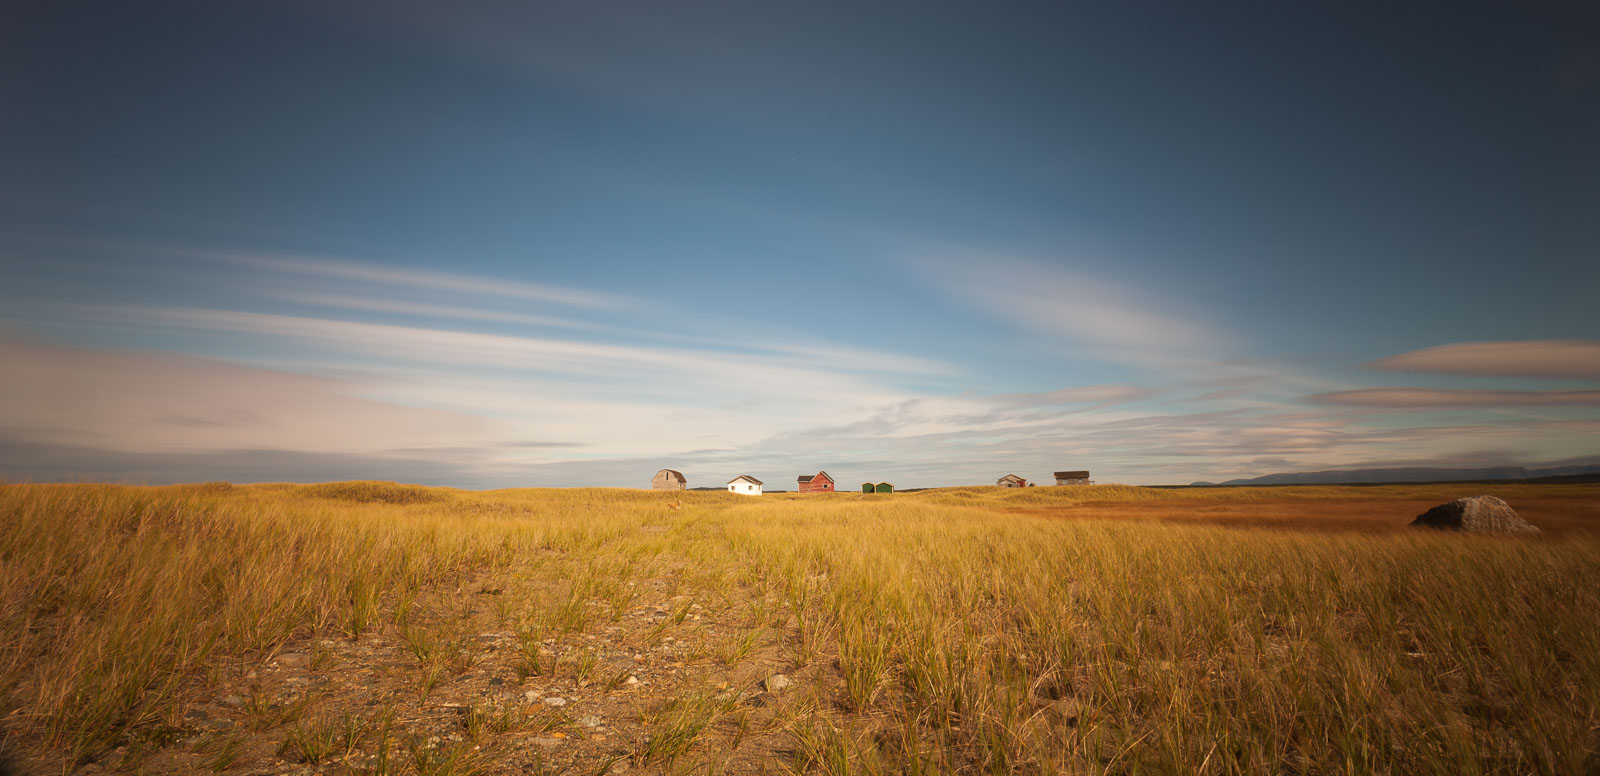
<point>947,631</point>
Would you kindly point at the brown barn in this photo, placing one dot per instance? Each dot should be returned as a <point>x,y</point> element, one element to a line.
<point>668,479</point>
<point>816,483</point>
<point>1011,481</point>
<point>1073,478</point>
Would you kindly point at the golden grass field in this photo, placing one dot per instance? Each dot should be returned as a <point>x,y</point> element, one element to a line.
<point>373,628</point>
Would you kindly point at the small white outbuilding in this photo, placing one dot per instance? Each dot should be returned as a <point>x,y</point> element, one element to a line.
<point>745,485</point>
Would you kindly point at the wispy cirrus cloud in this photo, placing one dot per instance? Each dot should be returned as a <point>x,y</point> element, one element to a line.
<point>1111,321</point>
<point>1101,395</point>
<point>485,294</point>
<point>1440,398</point>
<point>165,402</point>
<point>801,368</point>
<point>1557,359</point>
<point>351,365</point>
<point>414,308</point>
<point>616,397</point>
<point>427,280</point>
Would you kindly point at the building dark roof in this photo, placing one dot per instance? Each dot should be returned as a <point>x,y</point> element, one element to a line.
<point>1072,475</point>
<point>674,474</point>
<point>807,477</point>
<point>744,477</point>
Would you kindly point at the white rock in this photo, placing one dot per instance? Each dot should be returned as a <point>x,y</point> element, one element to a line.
<point>555,700</point>
<point>776,683</point>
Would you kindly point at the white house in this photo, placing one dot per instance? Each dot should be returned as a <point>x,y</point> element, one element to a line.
<point>744,484</point>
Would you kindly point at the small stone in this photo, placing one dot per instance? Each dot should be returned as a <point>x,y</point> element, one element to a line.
<point>497,681</point>
<point>293,659</point>
<point>548,743</point>
<point>232,700</point>
<point>555,700</point>
<point>531,695</point>
<point>632,680</point>
<point>776,683</point>
<point>591,721</point>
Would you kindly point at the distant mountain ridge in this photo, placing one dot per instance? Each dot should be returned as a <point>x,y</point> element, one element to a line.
<point>1413,474</point>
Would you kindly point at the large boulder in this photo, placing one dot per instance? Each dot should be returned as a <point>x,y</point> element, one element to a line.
<point>1479,514</point>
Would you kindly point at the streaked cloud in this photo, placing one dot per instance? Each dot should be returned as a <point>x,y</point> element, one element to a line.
<point>354,367</point>
<point>153,402</point>
<point>428,280</point>
<point>1422,398</point>
<point>1090,394</point>
<point>1557,359</point>
<point>541,354</point>
<point>409,307</point>
<point>1108,320</point>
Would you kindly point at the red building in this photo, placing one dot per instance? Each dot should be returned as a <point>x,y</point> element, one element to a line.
<point>816,483</point>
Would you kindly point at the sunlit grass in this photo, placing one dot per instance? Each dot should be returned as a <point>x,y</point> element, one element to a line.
<point>964,629</point>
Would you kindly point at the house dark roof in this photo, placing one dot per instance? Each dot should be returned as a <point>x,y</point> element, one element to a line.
<point>674,474</point>
<point>818,475</point>
<point>807,477</point>
<point>744,477</point>
<point>1072,475</point>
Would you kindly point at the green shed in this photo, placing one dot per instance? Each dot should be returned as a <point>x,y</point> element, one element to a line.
<point>866,487</point>
<point>883,487</point>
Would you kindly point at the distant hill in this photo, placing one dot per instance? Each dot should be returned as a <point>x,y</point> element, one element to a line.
<point>1420,474</point>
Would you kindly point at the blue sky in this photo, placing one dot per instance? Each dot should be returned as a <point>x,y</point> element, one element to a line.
<point>571,243</point>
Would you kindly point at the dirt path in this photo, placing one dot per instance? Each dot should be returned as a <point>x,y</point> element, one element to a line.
<point>626,693</point>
